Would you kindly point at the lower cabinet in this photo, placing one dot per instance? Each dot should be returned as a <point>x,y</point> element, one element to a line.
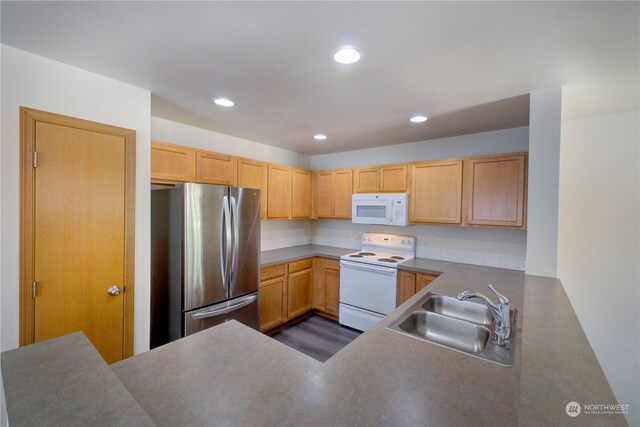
<point>290,290</point>
<point>327,286</point>
<point>410,283</point>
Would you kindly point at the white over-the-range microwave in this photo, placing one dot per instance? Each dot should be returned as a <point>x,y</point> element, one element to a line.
<point>380,208</point>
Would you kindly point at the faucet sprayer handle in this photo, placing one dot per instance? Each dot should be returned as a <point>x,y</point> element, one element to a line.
<point>501,298</point>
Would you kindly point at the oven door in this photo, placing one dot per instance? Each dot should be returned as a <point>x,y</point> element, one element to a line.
<point>372,212</point>
<point>369,287</point>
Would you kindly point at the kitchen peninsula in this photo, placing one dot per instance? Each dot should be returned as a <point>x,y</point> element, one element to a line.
<point>233,375</point>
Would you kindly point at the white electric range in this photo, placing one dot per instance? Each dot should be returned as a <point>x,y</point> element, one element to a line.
<point>368,278</point>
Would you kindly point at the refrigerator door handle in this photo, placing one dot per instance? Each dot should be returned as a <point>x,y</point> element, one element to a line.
<point>225,240</point>
<point>242,302</point>
<point>236,237</point>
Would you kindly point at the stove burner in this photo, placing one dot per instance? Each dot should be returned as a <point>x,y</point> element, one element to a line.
<point>386,260</point>
<point>366,254</point>
<point>355,256</point>
<point>397,257</point>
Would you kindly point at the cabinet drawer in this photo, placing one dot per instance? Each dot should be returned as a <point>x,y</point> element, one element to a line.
<point>273,272</point>
<point>303,264</point>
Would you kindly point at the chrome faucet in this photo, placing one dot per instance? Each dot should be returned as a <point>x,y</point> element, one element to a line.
<point>499,311</point>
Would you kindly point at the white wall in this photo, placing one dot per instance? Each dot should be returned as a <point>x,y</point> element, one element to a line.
<point>181,134</point>
<point>599,241</point>
<point>36,82</point>
<point>544,167</point>
<point>491,247</point>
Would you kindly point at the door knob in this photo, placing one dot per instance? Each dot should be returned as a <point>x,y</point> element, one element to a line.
<point>114,291</point>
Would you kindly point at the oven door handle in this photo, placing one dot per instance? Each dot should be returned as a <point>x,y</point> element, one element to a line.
<point>368,267</point>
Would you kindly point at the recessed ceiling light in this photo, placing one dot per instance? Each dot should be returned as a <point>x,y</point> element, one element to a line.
<point>418,119</point>
<point>320,137</point>
<point>224,102</point>
<point>347,55</point>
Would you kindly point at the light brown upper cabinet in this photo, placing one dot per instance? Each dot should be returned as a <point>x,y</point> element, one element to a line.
<point>279,192</point>
<point>436,192</point>
<point>253,174</point>
<point>215,168</point>
<point>172,163</point>
<point>300,193</point>
<point>496,190</point>
<point>384,179</point>
<point>333,193</point>
<point>366,180</point>
<point>393,178</point>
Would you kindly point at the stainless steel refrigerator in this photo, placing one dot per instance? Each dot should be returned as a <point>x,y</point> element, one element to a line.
<point>205,259</point>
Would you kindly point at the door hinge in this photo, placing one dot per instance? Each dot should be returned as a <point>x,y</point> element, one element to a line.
<point>35,159</point>
<point>35,288</point>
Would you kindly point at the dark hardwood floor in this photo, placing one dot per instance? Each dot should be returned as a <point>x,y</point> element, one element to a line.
<point>317,337</point>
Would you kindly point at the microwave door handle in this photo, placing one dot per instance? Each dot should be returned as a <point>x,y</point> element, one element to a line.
<point>243,302</point>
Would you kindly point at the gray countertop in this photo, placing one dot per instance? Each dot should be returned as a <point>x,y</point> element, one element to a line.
<point>233,375</point>
<point>65,382</point>
<point>294,253</point>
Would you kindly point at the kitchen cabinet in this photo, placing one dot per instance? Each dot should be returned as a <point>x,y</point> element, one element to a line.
<point>436,192</point>
<point>253,174</point>
<point>496,190</point>
<point>279,192</point>
<point>333,189</point>
<point>273,304</point>
<point>327,286</point>
<point>410,283</point>
<point>299,288</point>
<point>300,194</point>
<point>215,168</point>
<point>380,179</point>
<point>172,163</point>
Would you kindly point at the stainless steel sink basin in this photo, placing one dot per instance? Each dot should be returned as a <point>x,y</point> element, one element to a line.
<point>447,331</point>
<point>464,310</point>
<point>463,326</point>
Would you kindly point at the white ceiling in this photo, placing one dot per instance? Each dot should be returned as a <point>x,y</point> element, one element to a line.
<point>468,65</point>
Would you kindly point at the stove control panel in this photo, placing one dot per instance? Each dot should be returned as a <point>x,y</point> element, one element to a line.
<point>389,241</point>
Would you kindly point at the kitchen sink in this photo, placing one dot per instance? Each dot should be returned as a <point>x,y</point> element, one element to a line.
<point>464,326</point>
<point>463,310</point>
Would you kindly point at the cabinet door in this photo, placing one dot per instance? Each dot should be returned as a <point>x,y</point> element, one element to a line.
<point>324,190</point>
<point>299,293</point>
<point>366,180</point>
<point>273,304</point>
<point>253,174</point>
<point>436,192</point>
<point>215,168</point>
<point>301,193</point>
<point>406,286</point>
<point>343,187</point>
<point>172,163</point>
<point>423,279</point>
<point>393,178</point>
<point>279,192</point>
<point>496,190</point>
<point>332,287</point>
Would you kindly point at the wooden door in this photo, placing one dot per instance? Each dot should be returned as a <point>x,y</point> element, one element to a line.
<point>393,178</point>
<point>253,174</point>
<point>82,198</point>
<point>406,286</point>
<point>273,303</point>
<point>279,192</point>
<point>299,293</point>
<point>366,180</point>
<point>496,188</point>
<point>172,163</point>
<point>423,279</point>
<point>343,188</point>
<point>436,192</point>
<point>300,193</point>
<point>332,287</point>
<point>324,182</point>
<point>215,168</point>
